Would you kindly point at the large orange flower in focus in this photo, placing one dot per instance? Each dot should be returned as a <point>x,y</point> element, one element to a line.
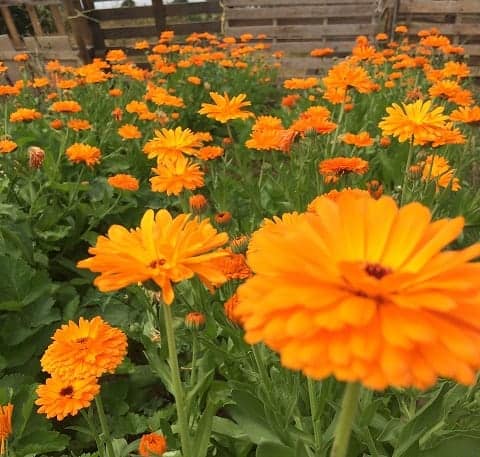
<point>172,143</point>
<point>163,249</point>
<point>226,108</point>
<point>361,290</point>
<point>173,176</point>
<point>88,349</point>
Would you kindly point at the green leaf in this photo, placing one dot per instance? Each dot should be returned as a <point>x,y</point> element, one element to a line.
<point>228,428</point>
<point>462,446</point>
<point>204,431</point>
<point>40,442</point>
<point>268,449</point>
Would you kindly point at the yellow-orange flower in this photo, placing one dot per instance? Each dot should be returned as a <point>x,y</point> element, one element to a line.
<point>123,181</point>
<point>163,249</point>
<point>79,152</point>
<point>229,308</point>
<point>170,143</point>
<point>194,80</point>
<point>152,445</point>
<point>88,349</point>
<point>360,140</point>
<point>116,55</point>
<point>437,168</point>
<point>79,124</point>
<point>300,83</point>
<point>66,106</point>
<point>197,202</point>
<point>7,146</point>
<point>5,425</point>
<point>61,397</point>
<point>332,169</point>
<point>415,121</point>
<point>226,108</point>
<point>175,175</point>
<point>466,114</point>
<point>129,132</point>
<point>25,115</point>
<point>370,297</point>
<point>321,52</point>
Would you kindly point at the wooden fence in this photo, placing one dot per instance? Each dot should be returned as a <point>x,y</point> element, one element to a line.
<point>298,28</point>
<point>457,19</point>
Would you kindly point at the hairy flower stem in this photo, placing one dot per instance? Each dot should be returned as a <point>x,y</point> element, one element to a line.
<point>103,424</point>
<point>345,421</point>
<point>178,391</point>
<point>93,430</point>
<point>407,170</point>
<point>314,412</point>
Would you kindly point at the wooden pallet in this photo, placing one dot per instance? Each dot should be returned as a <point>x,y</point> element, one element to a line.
<point>298,28</point>
<point>457,19</point>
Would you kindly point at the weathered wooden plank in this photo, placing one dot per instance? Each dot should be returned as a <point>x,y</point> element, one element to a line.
<point>7,53</point>
<point>11,27</point>
<point>58,19</point>
<point>300,12</point>
<point>340,47</point>
<point>143,31</point>
<point>188,28</point>
<point>159,14</point>
<point>80,29</point>
<point>446,29</point>
<point>307,32</point>
<point>439,6</point>
<point>34,19</point>
<point>51,47</point>
<point>186,9</point>
<point>233,3</point>
<point>27,2</point>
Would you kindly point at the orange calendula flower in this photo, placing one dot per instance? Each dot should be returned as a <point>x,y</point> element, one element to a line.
<point>223,217</point>
<point>124,182</point>
<point>229,308</point>
<point>79,124</point>
<point>25,115</point>
<point>88,349</point>
<point>194,80</point>
<point>116,55</point>
<point>170,143</point>
<point>334,195</point>
<point>195,320</point>
<point>115,92</point>
<point>7,146</point>
<point>379,302</point>
<point>321,52</point>
<point>6,412</point>
<point>79,152</point>
<point>66,106</point>
<point>56,124</point>
<point>332,169</point>
<point>129,132</point>
<point>300,83</point>
<point>152,445</point>
<point>197,202</point>
<point>360,140</point>
<point>437,168</point>
<point>234,266</point>
<point>163,249</point>
<point>175,175</point>
<point>209,152</point>
<point>466,114</point>
<point>415,121</point>
<point>61,397</point>
<point>21,57</point>
<point>226,108</point>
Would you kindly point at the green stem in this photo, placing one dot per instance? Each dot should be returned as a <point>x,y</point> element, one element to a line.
<point>103,424</point>
<point>339,123</point>
<point>314,412</point>
<point>229,131</point>
<point>94,433</point>
<point>193,377</point>
<point>405,175</point>
<point>178,391</point>
<point>345,421</point>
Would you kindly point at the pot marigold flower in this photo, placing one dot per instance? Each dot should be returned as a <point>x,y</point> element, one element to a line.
<point>115,92</point>
<point>437,168</point>
<point>375,189</point>
<point>223,217</point>
<point>61,397</point>
<point>173,176</point>
<point>466,114</point>
<point>79,124</point>
<point>195,320</point>
<point>21,57</point>
<point>226,108</point>
<point>234,266</point>
<point>300,83</point>
<point>415,121</point>
<point>290,100</point>
<point>209,152</point>
<point>229,308</point>
<point>197,202</point>
<point>332,169</point>
<point>171,144</point>
<point>152,445</point>
<point>116,55</point>
<point>88,349</point>
<point>163,249</point>
<point>129,132</point>
<point>124,182</point>
<point>360,140</point>
<point>66,106</point>
<point>36,156</point>
<point>316,204</point>
<point>25,115</point>
<point>7,146</point>
<point>6,412</point>
<point>79,152</point>
<point>56,124</point>
<point>379,302</point>
<point>321,52</point>
<point>194,80</point>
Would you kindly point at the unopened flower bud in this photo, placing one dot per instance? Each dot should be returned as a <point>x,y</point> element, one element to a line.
<point>36,156</point>
<point>195,320</point>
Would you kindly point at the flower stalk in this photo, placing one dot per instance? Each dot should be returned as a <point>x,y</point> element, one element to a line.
<point>107,439</point>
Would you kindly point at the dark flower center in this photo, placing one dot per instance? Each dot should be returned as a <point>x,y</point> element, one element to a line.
<point>66,391</point>
<point>157,263</point>
<point>82,340</point>
<point>376,270</point>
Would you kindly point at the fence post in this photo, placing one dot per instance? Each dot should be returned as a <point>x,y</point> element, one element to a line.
<point>12,29</point>
<point>79,29</point>
<point>159,14</point>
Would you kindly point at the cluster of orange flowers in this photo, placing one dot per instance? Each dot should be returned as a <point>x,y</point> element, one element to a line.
<point>77,358</point>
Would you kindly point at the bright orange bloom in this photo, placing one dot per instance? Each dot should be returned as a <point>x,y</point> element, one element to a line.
<point>267,139</point>
<point>234,266</point>
<point>415,121</point>
<point>332,169</point>
<point>124,182</point>
<point>170,143</point>
<point>6,412</point>
<point>300,83</point>
<point>194,80</point>
<point>6,89</point>
<point>24,115</point>
<point>401,29</point>
<point>223,217</point>
<point>88,349</point>
<point>142,45</point>
<point>466,114</point>
<point>116,55</point>
<point>437,168</point>
<point>226,108</point>
<point>7,146</point>
<point>79,124</point>
<point>21,57</point>
<point>229,308</point>
<point>197,202</point>
<point>129,132</point>
<point>79,152</point>
<point>66,106</point>
<point>175,175</point>
<point>316,204</point>
<point>321,52</point>
<point>152,445</point>
<point>290,100</point>
<point>267,123</point>
<point>360,140</point>
<point>56,124</point>
<point>378,301</point>
<point>209,152</point>
<point>115,92</point>
<point>162,249</point>
<point>375,189</point>
<point>61,397</point>
<point>195,320</point>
